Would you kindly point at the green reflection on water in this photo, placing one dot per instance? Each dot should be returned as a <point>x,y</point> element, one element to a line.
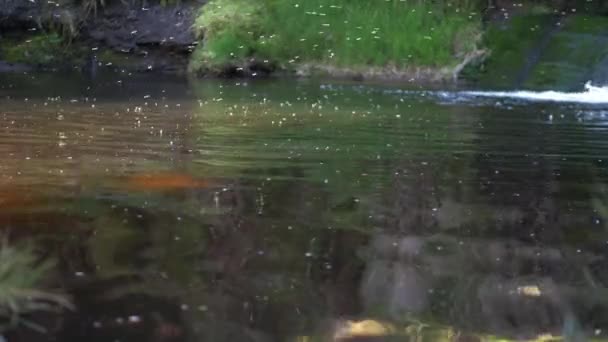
<point>365,205</point>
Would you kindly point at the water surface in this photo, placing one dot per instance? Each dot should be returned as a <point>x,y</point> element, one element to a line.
<point>285,210</point>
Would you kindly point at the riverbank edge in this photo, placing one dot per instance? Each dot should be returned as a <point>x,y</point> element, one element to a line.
<point>138,47</point>
<point>389,73</point>
<point>393,73</point>
<point>104,53</point>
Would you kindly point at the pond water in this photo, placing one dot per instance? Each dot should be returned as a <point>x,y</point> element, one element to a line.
<point>285,210</point>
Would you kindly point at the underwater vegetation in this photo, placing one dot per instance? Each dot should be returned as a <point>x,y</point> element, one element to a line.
<point>23,288</point>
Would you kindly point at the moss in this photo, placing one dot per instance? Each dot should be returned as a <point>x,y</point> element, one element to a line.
<point>587,24</point>
<point>571,55</point>
<point>565,62</point>
<point>42,50</point>
<point>509,44</point>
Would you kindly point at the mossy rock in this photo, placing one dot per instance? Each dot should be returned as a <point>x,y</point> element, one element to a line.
<point>41,50</point>
<point>529,52</point>
<point>571,57</point>
<point>508,43</point>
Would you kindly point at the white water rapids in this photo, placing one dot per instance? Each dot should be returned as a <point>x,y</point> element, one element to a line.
<point>591,94</point>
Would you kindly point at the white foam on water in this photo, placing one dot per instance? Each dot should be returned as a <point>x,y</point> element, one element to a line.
<point>591,94</point>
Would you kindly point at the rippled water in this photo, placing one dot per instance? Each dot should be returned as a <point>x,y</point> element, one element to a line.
<point>305,211</point>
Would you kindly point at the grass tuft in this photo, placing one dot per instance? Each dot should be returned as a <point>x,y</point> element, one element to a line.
<point>229,30</point>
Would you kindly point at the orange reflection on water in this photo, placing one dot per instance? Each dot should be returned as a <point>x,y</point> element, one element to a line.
<point>12,197</point>
<point>164,182</point>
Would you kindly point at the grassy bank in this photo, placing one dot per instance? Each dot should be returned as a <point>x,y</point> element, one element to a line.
<point>335,35</point>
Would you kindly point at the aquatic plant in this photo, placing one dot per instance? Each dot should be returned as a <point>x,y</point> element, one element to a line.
<point>22,278</point>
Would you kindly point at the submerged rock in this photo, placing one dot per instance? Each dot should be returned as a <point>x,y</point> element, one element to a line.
<point>13,67</point>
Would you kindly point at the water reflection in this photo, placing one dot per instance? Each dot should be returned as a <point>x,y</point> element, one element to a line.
<point>274,211</point>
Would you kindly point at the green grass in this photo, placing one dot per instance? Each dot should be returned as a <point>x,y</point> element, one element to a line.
<point>342,33</point>
<point>230,29</point>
